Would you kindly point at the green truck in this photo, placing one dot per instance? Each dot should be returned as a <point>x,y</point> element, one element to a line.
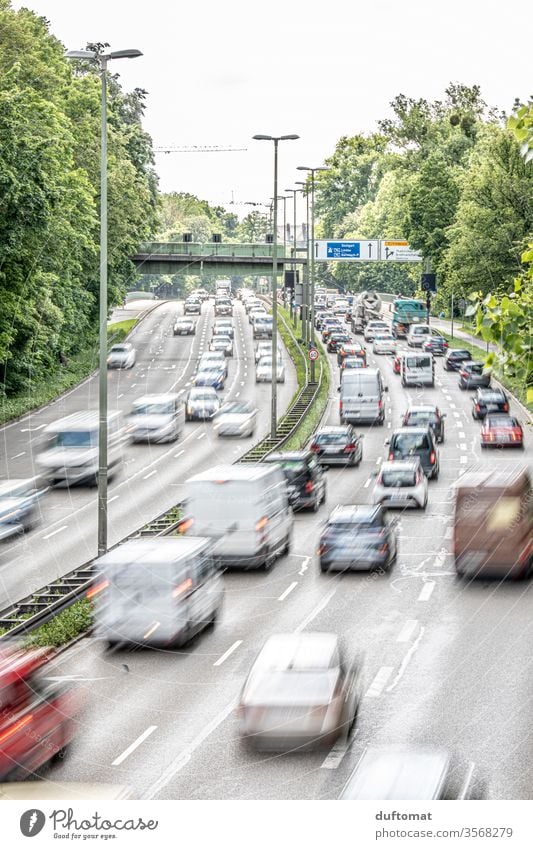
<point>405,312</point>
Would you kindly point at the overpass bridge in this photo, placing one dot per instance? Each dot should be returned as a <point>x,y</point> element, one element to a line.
<point>217,258</point>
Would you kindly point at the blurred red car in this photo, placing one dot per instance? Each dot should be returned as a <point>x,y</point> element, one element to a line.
<point>37,716</point>
<point>502,430</point>
<point>397,363</point>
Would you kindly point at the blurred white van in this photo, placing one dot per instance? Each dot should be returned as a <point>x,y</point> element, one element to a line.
<point>69,454</point>
<point>157,590</point>
<point>245,508</point>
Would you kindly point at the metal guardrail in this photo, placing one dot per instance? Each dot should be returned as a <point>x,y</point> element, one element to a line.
<point>44,604</point>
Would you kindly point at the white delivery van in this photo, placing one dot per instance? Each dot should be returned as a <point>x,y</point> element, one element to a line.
<point>70,451</point>
<point>417,370</point>
<point>157,590</point>
<point>245,508</point>
<point>362,396</point>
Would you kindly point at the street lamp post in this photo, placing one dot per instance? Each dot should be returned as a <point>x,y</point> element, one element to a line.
<point>102,59</point>
<point>312,171</point>
<point>274,404</point>
<point>294,193</point>
<point>306,334</point>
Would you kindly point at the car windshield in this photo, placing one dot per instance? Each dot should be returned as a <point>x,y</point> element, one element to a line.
<point>399,477</point>
<point>476,368</point>
<point>235,408</point>
<point>292,468</point>
<point>351,526</point>
<point>422,417</point>
<point>119,349</point>
<point>408,442</point>
<point>501,421</point>
<point>221,341</point>
<point>75,439</point>
<point>210,370</point>
<point>154,409</point>
<point>417,362</point>
<point>202,395</point>
<point>322,438</point>
<point>459,354</point>
<point>353,362</point>
<point>491,397</point>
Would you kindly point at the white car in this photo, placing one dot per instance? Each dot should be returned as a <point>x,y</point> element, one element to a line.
<point>263,371</point>
<point>222,343</point>
<point>156,418</point>
<point>237,418</point>
<point>213,358</point>
<point>223,327</point>
<point>418,333</point>
<point>264,349</point>
<point>374,327</point>
<point>121,356</point>
<point>384,343</point>
<point>256,311</point>
<point>401,483</point>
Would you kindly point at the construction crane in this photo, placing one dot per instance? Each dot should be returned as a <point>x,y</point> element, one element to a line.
<point>198,148</point>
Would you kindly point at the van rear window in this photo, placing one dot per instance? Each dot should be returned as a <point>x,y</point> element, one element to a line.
<point>418,362</point>
<point>406,442</point>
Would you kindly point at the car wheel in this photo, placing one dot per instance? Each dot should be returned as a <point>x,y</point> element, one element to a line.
<point>316,505</point>
<point>287,547</point>
<point>436,475</point>
<point>461,386</point>
<point>323,567</point>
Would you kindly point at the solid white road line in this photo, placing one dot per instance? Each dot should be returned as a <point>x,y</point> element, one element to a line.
<point>18,455</point>
<point>427,589</point>
<point>113,499</point>
<point>149,475</point>
<point>286,592</point>
<point>127,752</point>
<point>227,653</point>
<point>335,757</point>
<point>57,531</point>
<point>201,435</point>
<point>367,483</point>
<point>405,662</point>
<point>179,453</point>
<point>407,631</point>
<point>377,685</point>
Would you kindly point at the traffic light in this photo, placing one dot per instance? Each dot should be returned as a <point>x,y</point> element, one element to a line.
<point>429,283</point>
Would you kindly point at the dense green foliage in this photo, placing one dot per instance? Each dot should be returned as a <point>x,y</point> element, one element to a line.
<point>49,198</point>
<point>181,213</point>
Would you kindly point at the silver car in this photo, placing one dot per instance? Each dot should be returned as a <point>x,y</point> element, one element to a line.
<point>373,328</point>
<point>401,483</point>
<point>299,691</point>
<point>19,505</point>
<point>222,343</point>
<point>202,403</point>
<point>223,327</point>
<point>156,418</point>
<point>237,418</point>
<point>121,356</point>
<point>263,371</point>
<point>384,343</point>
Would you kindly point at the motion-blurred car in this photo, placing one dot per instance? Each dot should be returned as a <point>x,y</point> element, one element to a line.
<point>300,691</point>
<point>397,362</point>
<point>223,327</point>
<point>155,418</point>
<point>69,454</point>
<point>423,415</point>
<point>213,358</point>
<point>384,343</point>
<point>262,326</point>
<point>222,343</point>
<point>121,356</point>
<point>336,339</point>
<point>306,481</point>
<point>263,371</point>
<point>20,505</point>
<point>501,430</point>
<point>350,349</point>
<point>455,357</point>
<point>337,445</point>
<point>401,483</point>
<point>489,401</point>
<point>473,375</point>
<point>210,375</point>
<point>192,306</point>
<point>374,327</point>
<point>329,326</point>
<point>357,537</point>
<point>39,715</point>
<point>418,334</point>
<point>410,773</point>
<point>258,309</point>
<point>237,418</point>
<point>184,327</point>
<point>352,362</point>
<point>320,315</point>
<point>436,345</point>
<point>201,403</point>
<point>264,349</point>
<point>415,442</point>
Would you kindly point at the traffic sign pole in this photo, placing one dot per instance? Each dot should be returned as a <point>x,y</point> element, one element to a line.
<point>452,315</point>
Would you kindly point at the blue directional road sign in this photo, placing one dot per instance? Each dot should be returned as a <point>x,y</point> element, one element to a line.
<point>362,250</point>
<point>343,250</point>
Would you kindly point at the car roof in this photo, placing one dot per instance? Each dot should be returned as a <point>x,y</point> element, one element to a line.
<point>413,429</point>
<point>422,408</point>
<point>6,486</point>
<point>393,465</point>
<point>398,773</point>
<point>332,429</point>
<point>156,399</point>
<point>153,550</point>
<point>489,391</point>
<point>225,473</point>
<point>347,512</point>
<point>281,456</point>
<point>79,421</point>
<point>283,652</point>
<point>457,351</point>
<point>197,389</point>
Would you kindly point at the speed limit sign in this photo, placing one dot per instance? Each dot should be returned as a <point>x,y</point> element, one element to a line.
<point>313,354</point>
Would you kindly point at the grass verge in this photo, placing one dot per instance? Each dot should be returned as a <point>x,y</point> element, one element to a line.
<point>62,378</point>
<point>62,628</point>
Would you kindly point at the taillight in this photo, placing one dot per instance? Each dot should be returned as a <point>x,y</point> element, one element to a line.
<point>184,526</point>
<point>506,408</point>
<point>340,406</point>
<point>309,487</point>
<point>321,548</point>
<point>314,447</point>
<point>463,373</point>
<point>97,588</point>
<point>478,408</point>
<point>391,455</point>
<point>182,588</point>
<point>262,523</point>
<point>350,447</point>
<point>380,405</point>
<point>432,457</point>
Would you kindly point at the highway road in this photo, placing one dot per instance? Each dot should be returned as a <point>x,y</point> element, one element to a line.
<point>446,662</point>
<point>151,476</point>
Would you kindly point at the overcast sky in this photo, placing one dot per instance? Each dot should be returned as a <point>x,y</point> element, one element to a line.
<point>219,72</point>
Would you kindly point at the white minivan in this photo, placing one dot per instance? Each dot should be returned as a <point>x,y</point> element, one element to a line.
<point>156,591</point>
<point>69,454</point>
<point>417,370</point>
<point>245,508</point>
<point>418,333</point>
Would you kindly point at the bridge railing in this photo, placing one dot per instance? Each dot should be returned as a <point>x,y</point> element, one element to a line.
<point>208,249</point>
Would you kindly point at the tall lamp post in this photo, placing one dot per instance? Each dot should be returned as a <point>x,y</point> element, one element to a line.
<point>294,193</point>
<point>274,405</point>
<point>312,171</point>
<point>306,330</point>
<point>103,59</point>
